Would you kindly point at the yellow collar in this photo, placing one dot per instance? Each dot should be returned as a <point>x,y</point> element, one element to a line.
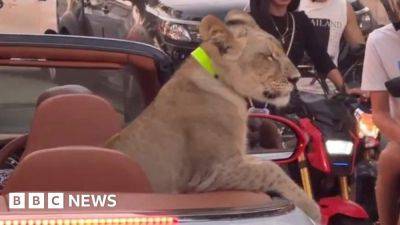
<point>205,61</point>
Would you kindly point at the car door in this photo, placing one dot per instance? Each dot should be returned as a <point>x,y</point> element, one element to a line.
<point>120,18</point>
<point>109,18</point>
<point>96,16</point>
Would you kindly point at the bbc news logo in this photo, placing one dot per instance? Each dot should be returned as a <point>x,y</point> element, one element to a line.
<point>58,200</point>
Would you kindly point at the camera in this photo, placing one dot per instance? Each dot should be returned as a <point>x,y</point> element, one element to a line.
<point>393,87</point>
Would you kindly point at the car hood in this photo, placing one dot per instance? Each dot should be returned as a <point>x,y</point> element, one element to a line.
<point>196,10</point>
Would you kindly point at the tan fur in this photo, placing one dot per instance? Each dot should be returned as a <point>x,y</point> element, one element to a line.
<point>193,135</point>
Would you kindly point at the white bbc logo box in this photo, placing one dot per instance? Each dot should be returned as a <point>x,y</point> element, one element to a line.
<point>20,200</point>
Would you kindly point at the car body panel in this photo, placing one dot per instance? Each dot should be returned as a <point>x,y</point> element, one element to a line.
<point>196,10</point>
<point>209,210</point>
<point>89,43</point>
<point>295,216</point>
<point>29,16</point>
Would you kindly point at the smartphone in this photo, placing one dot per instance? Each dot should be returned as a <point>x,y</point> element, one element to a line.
<point>393,87</point>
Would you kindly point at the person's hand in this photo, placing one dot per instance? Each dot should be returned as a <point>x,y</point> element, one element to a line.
<point>357,92</point>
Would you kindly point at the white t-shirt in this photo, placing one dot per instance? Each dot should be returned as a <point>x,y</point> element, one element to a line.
<point>329,19</point>
<point>382,63</point>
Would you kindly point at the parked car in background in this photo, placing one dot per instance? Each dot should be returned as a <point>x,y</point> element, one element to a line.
<point>28,16</point>
<point>171,25</point>
<point>101,18</point>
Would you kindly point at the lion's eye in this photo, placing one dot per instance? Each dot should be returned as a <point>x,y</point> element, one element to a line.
<point>265,56</point>
<point>276,55</point>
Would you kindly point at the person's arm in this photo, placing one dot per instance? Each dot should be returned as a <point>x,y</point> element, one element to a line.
<point>373,80</point>
<point>337,79</point>
<point>352,32</point>
<point>321,59</point>
<point>381,115</point>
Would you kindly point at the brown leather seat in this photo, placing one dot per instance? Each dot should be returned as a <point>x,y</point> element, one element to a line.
<point>77,168</point>
<point>73,119</point>
<point>84,169</point>
<point>62,90</point>
<point>19,143</point>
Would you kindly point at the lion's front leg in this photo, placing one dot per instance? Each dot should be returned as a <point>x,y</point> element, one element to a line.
<point>265,176</point>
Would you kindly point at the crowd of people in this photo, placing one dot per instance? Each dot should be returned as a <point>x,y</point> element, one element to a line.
<point>316,28</point>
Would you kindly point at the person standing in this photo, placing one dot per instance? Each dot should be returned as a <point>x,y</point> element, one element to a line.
<point>297,35</point>
<point>332,20</point>
<point>382,63</point>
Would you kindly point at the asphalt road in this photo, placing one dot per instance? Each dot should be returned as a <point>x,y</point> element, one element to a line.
<point>28,16</point>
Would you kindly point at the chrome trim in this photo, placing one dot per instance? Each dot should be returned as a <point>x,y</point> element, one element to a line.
<point>169,19</point>
<point>273,155</point>
<point>280,207</point>
<point>362,11</point>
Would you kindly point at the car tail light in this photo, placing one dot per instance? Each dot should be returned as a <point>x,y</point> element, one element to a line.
<point>132,220</point>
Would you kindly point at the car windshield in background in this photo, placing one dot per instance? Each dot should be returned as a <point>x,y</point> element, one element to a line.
<point>196,10</point>
<point>21,86</point>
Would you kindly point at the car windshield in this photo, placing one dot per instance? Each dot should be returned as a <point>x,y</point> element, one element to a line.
<point>20,88</point>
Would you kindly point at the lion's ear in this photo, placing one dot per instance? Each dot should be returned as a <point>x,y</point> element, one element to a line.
<point>214,30</point>
<point>237,17</point>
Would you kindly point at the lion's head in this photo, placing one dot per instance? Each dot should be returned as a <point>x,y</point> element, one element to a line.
<point>249,60</point>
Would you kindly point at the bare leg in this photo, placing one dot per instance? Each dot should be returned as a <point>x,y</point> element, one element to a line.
<point>254,175</point>
<point>387,187</point>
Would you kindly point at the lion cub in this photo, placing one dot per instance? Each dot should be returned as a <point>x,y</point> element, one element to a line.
<point>192,137</point>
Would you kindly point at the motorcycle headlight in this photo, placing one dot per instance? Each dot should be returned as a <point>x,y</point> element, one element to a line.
<point>339,147</point>
<point>177,32</point>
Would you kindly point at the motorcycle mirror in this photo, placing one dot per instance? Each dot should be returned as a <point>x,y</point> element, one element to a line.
<point>275,138</point>
<point>393,87</point>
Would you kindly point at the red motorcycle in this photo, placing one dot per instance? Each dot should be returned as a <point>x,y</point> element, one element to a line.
<point>330,145</point>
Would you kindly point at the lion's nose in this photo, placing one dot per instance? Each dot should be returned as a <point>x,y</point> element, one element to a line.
<point>270,95</point>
